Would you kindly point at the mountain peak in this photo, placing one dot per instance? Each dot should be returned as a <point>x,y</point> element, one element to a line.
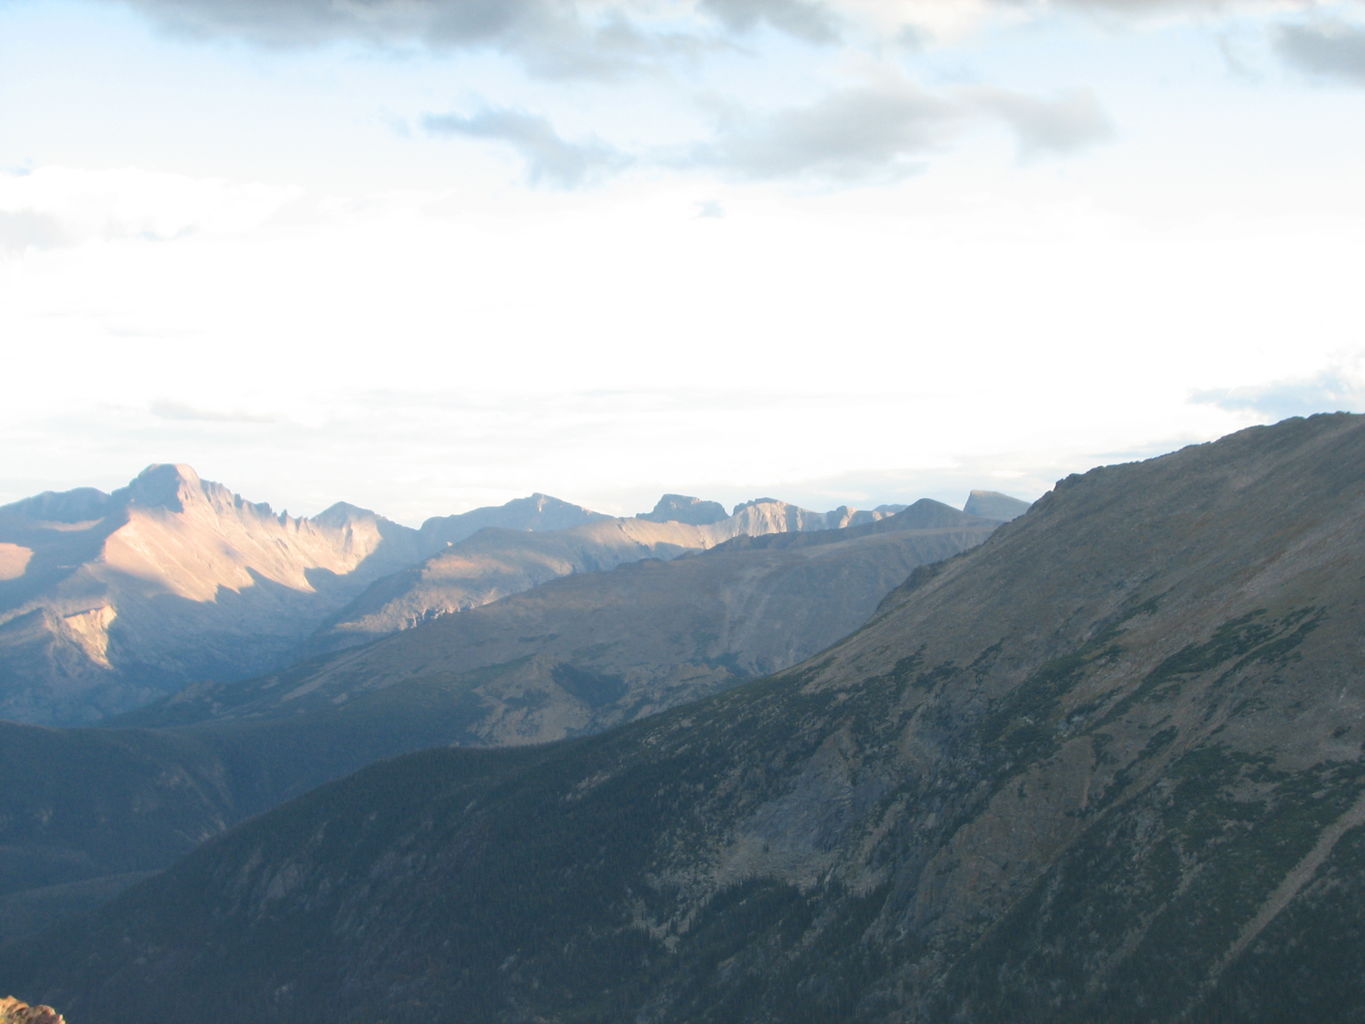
<point>755,501</point>
<point>683,508</point>
<point>167,471</point>
<point>164,485</point>
<point>994,505</point>
<point>534,512</point>
<point>343,512</point>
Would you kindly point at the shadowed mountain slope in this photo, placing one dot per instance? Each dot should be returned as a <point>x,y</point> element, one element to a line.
<point>575,655</point>
<point>496,562</point>
<point>1107,765</point>
<point>593,649</point>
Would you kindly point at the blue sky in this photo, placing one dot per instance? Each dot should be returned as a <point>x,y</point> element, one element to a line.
<point>424,255</point>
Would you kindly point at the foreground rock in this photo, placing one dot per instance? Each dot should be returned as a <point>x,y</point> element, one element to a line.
<point>12,1011</point>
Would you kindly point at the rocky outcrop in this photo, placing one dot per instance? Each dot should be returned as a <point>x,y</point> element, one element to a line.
<point>12,1011</point>
<point>681,508</point>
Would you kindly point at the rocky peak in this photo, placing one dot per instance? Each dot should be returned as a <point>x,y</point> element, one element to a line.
<point>994,505</point>
<point>13,1011</point>
<point>163,485</point>
<point>683,508</point>
<point>343,513</point>
<point>752,502</point>
<point>176,487</point>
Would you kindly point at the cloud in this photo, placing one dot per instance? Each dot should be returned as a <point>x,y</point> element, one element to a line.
<point>1333,390</point>
<point>550,159</point>
<point>30,229</point>
<point>1335,50</point>
<point>804,19</point>
<point>169,409</point>
<point>551,38</point>
<point>848,136</point>
<point>884,133</point>
<point>316,22</point>
<point>1136,8</point>
<point>1062,124</point>
<point>54,207</point>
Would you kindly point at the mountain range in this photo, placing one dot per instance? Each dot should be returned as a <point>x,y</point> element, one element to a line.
<point>1106,765</point>
<point>83,810</point>
<point>109,601</point>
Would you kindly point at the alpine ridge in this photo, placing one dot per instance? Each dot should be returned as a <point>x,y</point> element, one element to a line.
<point>109,601</point>
<point>116,599</point>
<point>83,810</point>
<point>1105,766</point>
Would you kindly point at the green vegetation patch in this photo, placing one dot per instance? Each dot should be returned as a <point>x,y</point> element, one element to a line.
<point>1243,641</point>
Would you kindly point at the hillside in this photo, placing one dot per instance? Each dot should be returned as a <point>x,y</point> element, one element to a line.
<point>573,656</point>
<point>593,649</point>
<point>497,562</point>
<point>1106,765</point>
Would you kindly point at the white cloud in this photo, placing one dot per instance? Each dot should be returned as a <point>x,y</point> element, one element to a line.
<point>884,132</point>
<point>550,159</point>
<point>57,206</point>
<point>877,134</point>
<point>1071,121</point>
<point>806,19</point>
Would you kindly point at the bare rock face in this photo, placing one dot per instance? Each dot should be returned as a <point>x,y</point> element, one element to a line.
<point>12,1011</point>
<point>108,600</point>
<point>681,508</point>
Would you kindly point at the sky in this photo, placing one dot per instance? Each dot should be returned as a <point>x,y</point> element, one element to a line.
<point>426,255</point>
